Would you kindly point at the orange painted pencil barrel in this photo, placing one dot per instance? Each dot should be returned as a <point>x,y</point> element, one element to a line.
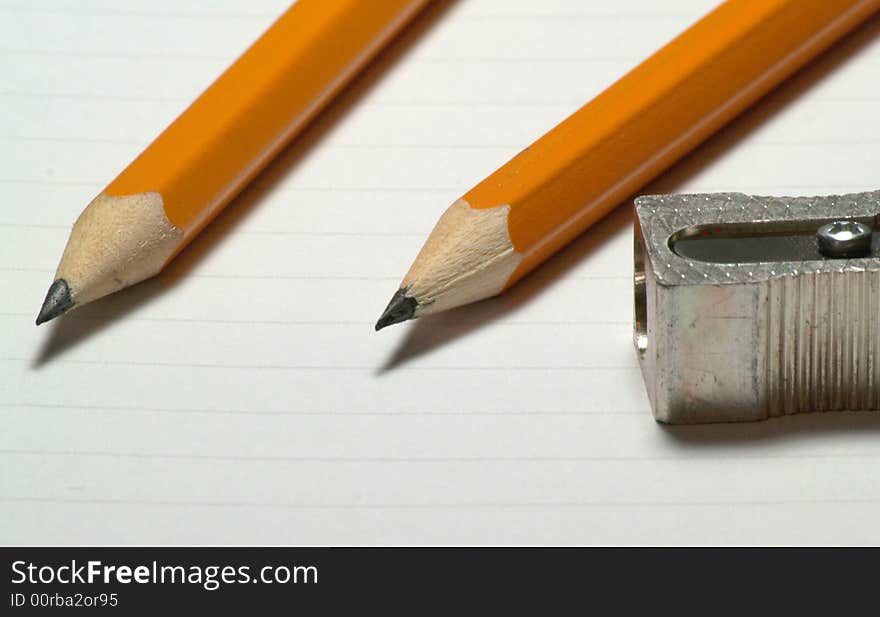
<point>147,215</point>
<point>615,144</point>
<point>654,115</point>
<point>256,107</point>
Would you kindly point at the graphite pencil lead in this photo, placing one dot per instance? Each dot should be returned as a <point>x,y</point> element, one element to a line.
<point>58,301</point>
<point>401,308</point>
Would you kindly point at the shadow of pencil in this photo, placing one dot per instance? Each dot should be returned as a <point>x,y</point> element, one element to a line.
<point>83,323</point>
<point>433,331</point>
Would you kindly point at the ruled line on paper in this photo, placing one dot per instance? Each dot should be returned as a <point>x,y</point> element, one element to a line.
<point>451,190</point>
<point>385,102</point>
<point>224,58</point>
<point>450,506</point>
<point>446,146</point>
<point>282,277</point>
<point>328,146</point>
<point>263,412</point>
<point>87,12</point>
<point>295,322</point>
<point>330,367</point>
<point>259,232</point>
<point>408,460</point>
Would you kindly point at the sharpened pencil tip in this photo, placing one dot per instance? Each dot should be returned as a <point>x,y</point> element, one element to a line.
<point>401,308</point>
<point>57,301</point>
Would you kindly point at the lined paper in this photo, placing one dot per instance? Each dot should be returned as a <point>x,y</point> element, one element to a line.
<point>243,397</point>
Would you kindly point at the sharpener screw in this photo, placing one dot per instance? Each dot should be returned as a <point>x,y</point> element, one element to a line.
<point>844,239</point>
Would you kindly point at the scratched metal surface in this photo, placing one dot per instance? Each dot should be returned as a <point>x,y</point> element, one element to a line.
<point>663,215</point>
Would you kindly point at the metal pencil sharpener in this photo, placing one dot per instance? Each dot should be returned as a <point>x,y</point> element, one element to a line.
<point>753,307</point>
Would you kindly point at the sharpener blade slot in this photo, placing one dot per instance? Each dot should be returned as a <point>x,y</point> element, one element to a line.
<point>765,242</point>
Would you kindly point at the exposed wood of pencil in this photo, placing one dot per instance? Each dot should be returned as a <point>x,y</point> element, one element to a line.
<point>205,157</point>
<point>575,174</point>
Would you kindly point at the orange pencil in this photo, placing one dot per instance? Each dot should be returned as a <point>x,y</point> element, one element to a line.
<point>575,174</point>
<point>145,217</point>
